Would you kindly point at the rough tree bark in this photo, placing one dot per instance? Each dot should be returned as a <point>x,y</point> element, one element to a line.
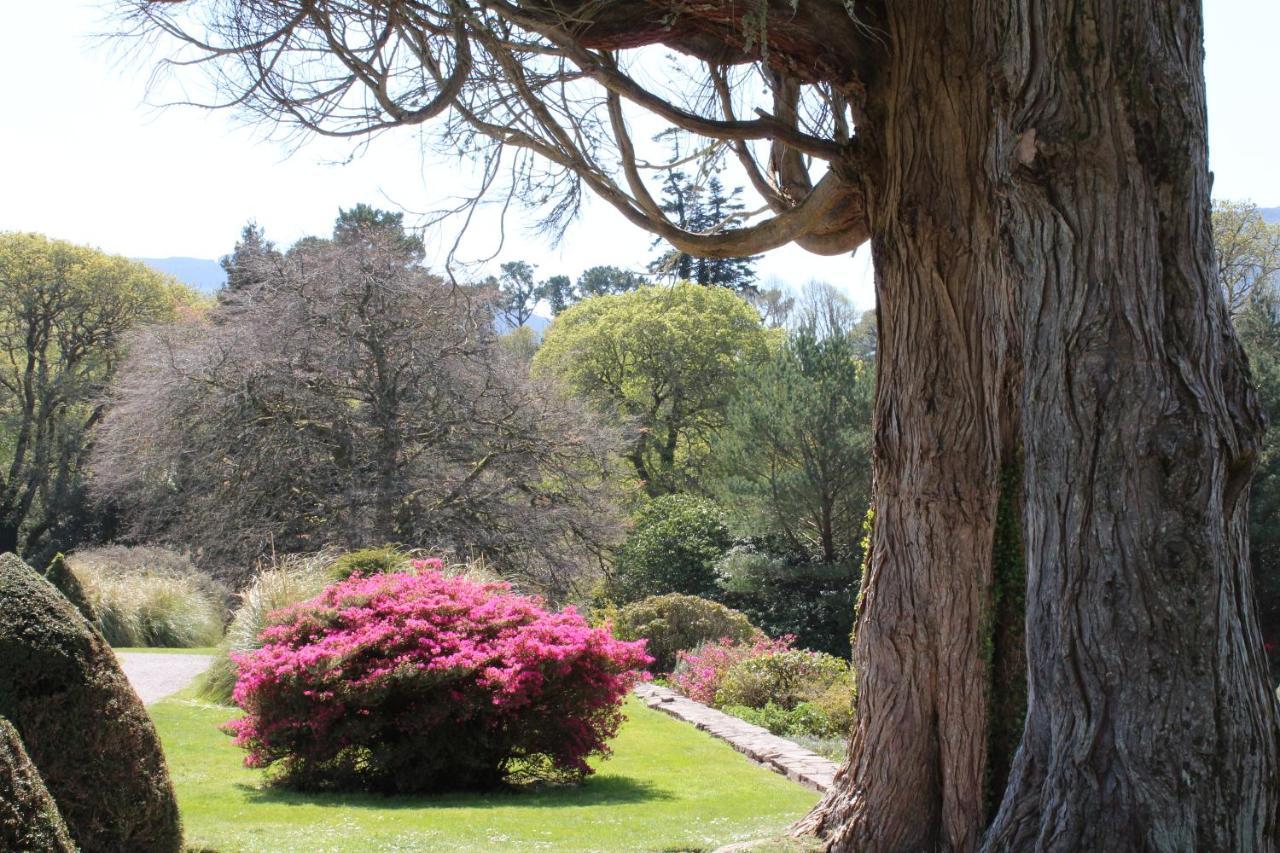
<point>1074,132</point>
<point>1151,724</point>
<point>943,432</point>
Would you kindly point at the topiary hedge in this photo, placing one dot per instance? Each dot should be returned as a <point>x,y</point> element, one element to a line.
<point>60,575</point>
<point>675,623</point>
<point>83,727</point>
<point>29,818</point>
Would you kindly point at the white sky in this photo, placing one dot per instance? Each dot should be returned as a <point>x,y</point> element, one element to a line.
<point>84,158</point>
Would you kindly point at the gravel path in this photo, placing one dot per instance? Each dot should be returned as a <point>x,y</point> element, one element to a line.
<point>778,754</point>
<point>155,676</point>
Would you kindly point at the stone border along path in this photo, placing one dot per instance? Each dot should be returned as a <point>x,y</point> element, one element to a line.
<point>155,676</point>
<point>756,742</point>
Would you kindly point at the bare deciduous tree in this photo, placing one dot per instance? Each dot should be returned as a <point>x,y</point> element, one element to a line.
<point>352,399</point>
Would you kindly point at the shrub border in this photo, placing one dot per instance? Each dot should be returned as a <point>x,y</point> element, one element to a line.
<point>756,742</point>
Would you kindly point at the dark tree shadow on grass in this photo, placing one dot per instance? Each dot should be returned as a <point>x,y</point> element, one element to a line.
<point>596,791</point>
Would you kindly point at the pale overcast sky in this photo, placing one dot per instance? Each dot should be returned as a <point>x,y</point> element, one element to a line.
<point>84,158</point>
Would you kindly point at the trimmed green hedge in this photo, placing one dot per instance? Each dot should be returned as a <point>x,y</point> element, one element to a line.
<point>83,727</point>
<point>29,818</point>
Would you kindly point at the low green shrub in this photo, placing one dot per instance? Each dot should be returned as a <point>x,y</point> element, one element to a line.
<point>785,679</point>
<point>29,818</point>
<point>83,727</point>
<point>146,596</point>
<point>786,592</point>
<point>286,580</point>
<point>675,623</point>
<point>384,560</point>
<point>674,547</point>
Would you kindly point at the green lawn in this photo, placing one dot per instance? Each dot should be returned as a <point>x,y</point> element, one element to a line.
<point>667,787</point>
<point>158,650</point>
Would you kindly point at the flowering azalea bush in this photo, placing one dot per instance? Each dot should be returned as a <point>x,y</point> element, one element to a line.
<point>422,682</point>
<point>698,672</point>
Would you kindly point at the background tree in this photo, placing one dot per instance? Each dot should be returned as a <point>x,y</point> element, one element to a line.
<point>518,294</point>
<point>558,291</point>
<point>774,304</point>
<point>64,313</point>
<point>1045,305</point>
<point>359,224</point>
<point>361,402</point>
<point>1248,251</point>
<point>703,210</point>
<point>608,281</point>
<point>794,457</point>
<point>664,361</point>
<point>674,547</point>
<point>251,262</point>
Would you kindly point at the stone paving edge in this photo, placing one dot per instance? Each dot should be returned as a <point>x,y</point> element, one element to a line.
<point>757,743</point>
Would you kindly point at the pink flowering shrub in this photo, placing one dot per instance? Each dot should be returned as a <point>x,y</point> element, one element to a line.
<point>698,672</point>
<point>421,682</point>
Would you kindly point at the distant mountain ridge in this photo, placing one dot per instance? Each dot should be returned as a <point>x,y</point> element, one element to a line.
<point>1270,214</point>
<point>201,273</point>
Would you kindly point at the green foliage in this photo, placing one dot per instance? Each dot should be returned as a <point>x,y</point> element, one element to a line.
<point>794,458</point>
<point>783,591</point>
<point>29,818</point>
<point>805,718</point>
<point>517,293</point>
<point>675,623</point>
<point>60,575</point>
<point>369,561</point>
<point>785,678</point>
<point>249,264</point>
<point>150,597</point>
<point>285,581</point>
<point>84,728</point>
<point>674,547</point>
<point>663,360</point>
<point>607,281</point>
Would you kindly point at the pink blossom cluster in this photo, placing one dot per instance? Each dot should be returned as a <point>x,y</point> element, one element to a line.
<point>396,681</point>
<point>698,672</point>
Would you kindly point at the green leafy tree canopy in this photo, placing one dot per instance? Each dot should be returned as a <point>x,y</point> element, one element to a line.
<point>665,361</point>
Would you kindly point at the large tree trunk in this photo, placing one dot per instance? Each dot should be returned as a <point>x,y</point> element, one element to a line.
<point>944,430</point>
<point>1150,725</point>
<point>1039,203</point>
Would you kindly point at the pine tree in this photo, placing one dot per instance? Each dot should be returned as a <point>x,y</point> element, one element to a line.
<point>250,263</point>
<point>701,210</point>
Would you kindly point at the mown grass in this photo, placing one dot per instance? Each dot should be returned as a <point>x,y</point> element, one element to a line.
<point>668,787</point>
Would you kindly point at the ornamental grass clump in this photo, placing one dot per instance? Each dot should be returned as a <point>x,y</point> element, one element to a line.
<point>405,683</point>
